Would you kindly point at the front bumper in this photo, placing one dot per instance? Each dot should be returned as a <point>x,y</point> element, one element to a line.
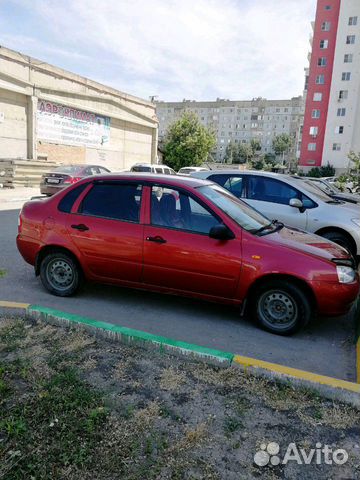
<point>335,299</point>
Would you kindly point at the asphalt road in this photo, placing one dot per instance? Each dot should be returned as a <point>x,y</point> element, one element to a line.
<point>325,347</point>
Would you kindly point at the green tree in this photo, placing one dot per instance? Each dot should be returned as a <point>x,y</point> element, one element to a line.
<point>231,153</point>
<point>355,159</point>
<point>282,143</point>
<point>255,145</point>
<point>245,153</point>
<point>187,142</point>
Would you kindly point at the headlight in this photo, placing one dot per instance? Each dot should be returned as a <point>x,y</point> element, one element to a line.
<point>345,274</point>
<point>356,221</point>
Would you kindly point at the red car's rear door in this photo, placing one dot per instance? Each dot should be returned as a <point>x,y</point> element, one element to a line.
<point>106,229</point>
<point>178,252</point>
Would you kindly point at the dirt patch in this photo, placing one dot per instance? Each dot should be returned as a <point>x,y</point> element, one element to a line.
<point>78,407</point>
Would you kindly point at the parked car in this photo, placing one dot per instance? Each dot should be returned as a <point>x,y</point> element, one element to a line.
<point>296,203</point>
<point>331,190</point>
<point>349,186</point>
<point>196,240</point>
<point>152,168</point>
<point>62,177</point>
<point>189,170</point>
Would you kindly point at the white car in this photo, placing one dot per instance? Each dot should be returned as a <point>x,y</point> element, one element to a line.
<point>152,168</point>
<point>297,204</point>
<point>349,186</point>
<point>189,170</point>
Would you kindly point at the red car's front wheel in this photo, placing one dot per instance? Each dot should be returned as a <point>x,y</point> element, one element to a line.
<point>281,307</point>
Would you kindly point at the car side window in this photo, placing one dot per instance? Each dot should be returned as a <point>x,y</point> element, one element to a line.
<point>91,171</point>
<point>172,208</point>
<point>271,190</point>
<point>158,170</point>
<point>67,202</point>
<point>116,201</point>
<point>103,170</point>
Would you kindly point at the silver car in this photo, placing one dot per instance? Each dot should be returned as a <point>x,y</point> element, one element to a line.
<point>295,203</point>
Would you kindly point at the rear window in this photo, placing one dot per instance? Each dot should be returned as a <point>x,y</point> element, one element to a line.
<point>69,169</point>
<point>140,168</point>
<point>67,202</point>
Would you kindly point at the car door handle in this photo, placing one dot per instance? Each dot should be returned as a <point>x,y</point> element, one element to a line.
<point>80,227</point>
<point>156,239</point>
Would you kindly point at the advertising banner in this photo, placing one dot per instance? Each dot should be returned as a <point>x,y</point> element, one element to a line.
<point>69,126</point>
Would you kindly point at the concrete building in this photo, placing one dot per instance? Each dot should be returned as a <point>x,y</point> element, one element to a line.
<point>332,114</point>
<point>239,121</point>
<point>49,113</point>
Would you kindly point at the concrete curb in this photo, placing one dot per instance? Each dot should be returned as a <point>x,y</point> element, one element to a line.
<point>329,387</point>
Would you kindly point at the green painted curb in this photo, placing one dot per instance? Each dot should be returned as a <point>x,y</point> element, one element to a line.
<point>130,335</point>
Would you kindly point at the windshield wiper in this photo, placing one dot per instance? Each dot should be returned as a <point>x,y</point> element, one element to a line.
<point>278,226</point>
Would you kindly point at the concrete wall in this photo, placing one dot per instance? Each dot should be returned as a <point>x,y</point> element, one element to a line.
<point>13,124</point>
<point>26,82</point>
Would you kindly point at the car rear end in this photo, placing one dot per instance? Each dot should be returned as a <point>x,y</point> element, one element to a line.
<point>53,182</point>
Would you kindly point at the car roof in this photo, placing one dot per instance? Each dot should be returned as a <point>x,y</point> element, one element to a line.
<point>242,172</point>
<point>153,178</point>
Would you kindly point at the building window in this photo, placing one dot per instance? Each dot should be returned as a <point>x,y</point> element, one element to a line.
<point>346,76</point>
<point>341,112</point>
<point>320,79</point>
<point>353,20</point>
<point>350,39</point>
<point>317,97</point>
<point>322,61</point>
<point>343,94</point>
<point>336,147</point>
<point>348,58</point>
<point>311,147</point>
<point>339,129</point>
<point>315,114</point>
<point>327,7</point>
<point>324,44</point>
<point>314,131</point>
<point>325,26</point>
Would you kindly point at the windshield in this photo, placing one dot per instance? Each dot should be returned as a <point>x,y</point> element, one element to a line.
<point>309,186</point>
<point>245,216</point>
<point>186,170</point>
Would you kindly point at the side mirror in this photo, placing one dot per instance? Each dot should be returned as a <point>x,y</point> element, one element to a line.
<point>296,203</point>
<point>221,232</point>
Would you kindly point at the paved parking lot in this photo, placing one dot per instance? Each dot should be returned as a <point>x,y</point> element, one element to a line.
<point>325,347</point>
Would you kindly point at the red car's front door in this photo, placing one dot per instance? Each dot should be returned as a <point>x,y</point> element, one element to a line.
<point>178,252</point>
<point>106,229</point>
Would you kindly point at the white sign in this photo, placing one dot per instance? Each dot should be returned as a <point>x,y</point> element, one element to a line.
<point>66,125</point>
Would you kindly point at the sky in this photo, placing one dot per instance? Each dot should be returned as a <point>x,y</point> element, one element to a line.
<point>172,49</point>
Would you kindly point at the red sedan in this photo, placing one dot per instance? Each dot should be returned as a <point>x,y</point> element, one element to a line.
<point>184,236</point>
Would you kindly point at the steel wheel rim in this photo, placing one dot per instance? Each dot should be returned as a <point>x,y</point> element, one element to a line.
<point>278,309</point>
<point>60,274</point>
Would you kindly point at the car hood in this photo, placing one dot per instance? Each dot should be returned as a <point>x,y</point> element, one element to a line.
<point>308,243</point>
<point>347,197</point>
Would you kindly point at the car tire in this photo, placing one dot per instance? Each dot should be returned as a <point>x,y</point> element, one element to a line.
<point>340,239</point>
<point>280,307</point>
<point>60,274</point>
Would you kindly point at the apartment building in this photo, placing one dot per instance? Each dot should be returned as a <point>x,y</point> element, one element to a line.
<point>239,121</point>
<point>332,113</point>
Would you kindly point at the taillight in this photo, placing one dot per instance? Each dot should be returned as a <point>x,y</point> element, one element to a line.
<point>72,180</point>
